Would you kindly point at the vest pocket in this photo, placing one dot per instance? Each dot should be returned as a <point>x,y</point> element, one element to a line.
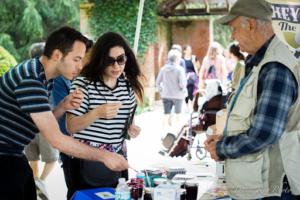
<point>244,174</point>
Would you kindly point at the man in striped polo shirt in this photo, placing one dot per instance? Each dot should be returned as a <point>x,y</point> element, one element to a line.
<point>25,111</point>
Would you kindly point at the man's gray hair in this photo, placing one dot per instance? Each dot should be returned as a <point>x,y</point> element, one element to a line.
<point>262,25</point>
<point>36,49</point>
<point>173,55</point>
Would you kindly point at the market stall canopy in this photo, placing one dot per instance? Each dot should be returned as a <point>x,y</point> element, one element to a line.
<point>194,7</point>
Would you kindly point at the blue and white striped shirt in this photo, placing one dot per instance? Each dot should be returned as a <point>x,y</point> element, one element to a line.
<point>23,90</point>
<point>277,91</point>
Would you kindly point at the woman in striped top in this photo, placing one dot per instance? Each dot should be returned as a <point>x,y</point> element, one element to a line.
<point>109,83</point>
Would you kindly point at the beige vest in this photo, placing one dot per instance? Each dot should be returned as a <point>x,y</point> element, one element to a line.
<point>261,174</point>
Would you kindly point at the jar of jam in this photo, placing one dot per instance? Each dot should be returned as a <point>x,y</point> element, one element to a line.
<point>147,195</point>
<point>179,182</point>
<point>183,194</point>
<point>158,181</point>
<point>191,189</point>
<point>134,191</point>
<point>140,179</point>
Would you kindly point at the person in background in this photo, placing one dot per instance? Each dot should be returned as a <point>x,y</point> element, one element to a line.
<point>229,62</point>
<point>25,111</point>
<point>39,145</point>
<point>171,83</point>
<point>192,71</point>
<point>260,142</point>
<point>182,64</point>
<point>213,65</point>
<point>239,70</point>
<point>109,82</point>
<point>61,89</point>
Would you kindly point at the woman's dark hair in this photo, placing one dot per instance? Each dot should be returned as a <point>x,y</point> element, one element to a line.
<point>235,50</point>
<point>186,46</point>
<point>63,39</point>
<point>98,62</point>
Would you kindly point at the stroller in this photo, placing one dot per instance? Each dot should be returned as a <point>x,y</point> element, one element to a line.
<point>206,116</point>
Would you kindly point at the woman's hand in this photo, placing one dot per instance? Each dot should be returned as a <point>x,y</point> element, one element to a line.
<point>134,131</point>
<point>109,110</point>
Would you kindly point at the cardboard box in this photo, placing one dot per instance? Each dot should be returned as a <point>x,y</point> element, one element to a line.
<point>95,194</point>
<point>221,118</point>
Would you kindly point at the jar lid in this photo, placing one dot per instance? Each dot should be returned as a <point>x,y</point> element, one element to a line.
<point>159,180</point>
<point>181,182</point>
<point>140,175</point>
<point>191,183</point>
<point>148,190</point>
<point>182,191</point>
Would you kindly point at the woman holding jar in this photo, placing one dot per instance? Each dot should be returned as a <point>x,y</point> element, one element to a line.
<point>109,82</point>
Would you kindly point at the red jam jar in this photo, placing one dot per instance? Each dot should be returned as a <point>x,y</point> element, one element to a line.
<point>191,190</point>
<point>134,191</point>
<point>179,182</point>
<point>158,181</point>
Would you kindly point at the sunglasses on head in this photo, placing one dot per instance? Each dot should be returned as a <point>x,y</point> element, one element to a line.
<point>120,60</point>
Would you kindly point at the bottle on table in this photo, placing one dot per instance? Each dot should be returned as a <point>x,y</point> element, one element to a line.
<point>122,190</point>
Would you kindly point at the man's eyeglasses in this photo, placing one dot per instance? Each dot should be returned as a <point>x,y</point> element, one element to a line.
<point>120,60</point>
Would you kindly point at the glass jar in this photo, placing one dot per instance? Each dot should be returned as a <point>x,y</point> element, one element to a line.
<point>147,195</point>
<point>191,190</point>
<point>134,191</point>
<point>179,182</point>
<point>158,181</point>
<point>140,177</point>
<point>183,194</point>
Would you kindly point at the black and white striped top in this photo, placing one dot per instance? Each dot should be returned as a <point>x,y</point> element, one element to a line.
<point>104,131</point>
<point>23,90</point>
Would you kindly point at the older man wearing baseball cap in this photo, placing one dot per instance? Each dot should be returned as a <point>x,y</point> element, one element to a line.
<point>261,139</point>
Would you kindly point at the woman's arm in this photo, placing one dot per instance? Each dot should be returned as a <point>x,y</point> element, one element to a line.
<point>78,123</point>
<point>201,75</point>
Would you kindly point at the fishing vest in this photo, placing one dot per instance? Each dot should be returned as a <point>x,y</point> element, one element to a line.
<point>261,174</point>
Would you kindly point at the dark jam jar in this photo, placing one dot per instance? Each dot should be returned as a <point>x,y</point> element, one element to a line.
<point>179,182</point>
<point>134,191</point>
<point>147,195</point>
<point>158,181</point>
<point>191,190</point>
<point>183,194</point>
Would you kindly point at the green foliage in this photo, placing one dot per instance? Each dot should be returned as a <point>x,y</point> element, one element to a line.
<point>222,33</point>
<point>23,23</point>
<point>7,61</point>
<point>121,16</point>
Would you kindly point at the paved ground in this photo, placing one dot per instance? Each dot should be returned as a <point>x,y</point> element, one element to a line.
<point>143,153</point>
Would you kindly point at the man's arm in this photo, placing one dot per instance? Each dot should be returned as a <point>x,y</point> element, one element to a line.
<point>277,91</point>
<point>70,102</point>
<point>48,126</point>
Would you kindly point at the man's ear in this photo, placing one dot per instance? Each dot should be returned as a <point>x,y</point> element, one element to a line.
<point>57,55</point>
<point>252,25</point>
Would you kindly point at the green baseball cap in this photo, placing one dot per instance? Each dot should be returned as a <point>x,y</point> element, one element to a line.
<point>257,9</point>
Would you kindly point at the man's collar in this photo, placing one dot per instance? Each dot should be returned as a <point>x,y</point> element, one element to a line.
<point>258,56</point>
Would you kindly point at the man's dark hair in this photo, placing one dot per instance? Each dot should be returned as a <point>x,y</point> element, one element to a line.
<point>63,39</point>
<point>36,49</point>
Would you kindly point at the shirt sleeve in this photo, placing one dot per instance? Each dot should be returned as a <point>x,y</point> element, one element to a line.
<point>277,91</point>
<point>81,84</point>
<point>159,79</point>
<point>32,96</point>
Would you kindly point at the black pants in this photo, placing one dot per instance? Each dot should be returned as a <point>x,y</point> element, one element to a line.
<point>65,167</point>
<point>16,179</point>
<point>190,91</point>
